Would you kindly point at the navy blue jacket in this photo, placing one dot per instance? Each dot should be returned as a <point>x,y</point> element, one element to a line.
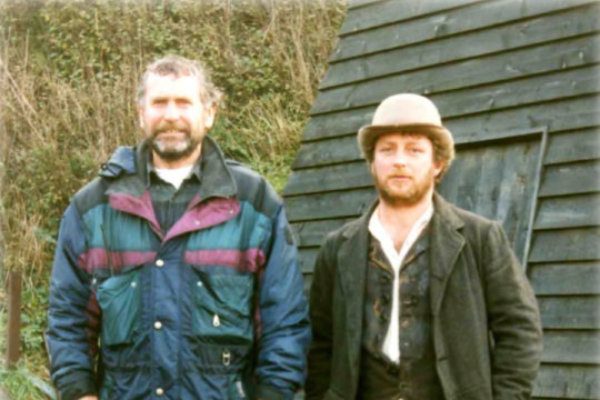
<point>212,309</point>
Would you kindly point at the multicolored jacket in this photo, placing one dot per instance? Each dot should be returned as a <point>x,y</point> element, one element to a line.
<point>212,309</point>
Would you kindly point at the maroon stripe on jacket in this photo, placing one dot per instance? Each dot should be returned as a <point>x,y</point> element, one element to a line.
<point>138,206</point>
<point>99,258</point>
<point>204,215</point>
<point>244,261</point>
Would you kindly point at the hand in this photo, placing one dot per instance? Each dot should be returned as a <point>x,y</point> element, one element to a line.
<point>89,398</point>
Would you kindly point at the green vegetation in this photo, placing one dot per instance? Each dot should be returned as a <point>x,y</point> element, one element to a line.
<point>68,72</point>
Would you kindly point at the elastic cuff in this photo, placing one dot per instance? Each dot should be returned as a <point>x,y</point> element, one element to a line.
<point>264,392</point>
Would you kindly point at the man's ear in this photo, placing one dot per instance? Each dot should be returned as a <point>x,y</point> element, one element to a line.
<point>438,167</point>
<point>141,116</point>
<point>209,117</point>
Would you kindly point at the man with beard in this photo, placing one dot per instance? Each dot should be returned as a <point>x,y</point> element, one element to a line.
<point>418,299</point>
<point>175,274</point>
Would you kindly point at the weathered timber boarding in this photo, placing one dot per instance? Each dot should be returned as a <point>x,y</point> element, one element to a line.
<point>517,82</point>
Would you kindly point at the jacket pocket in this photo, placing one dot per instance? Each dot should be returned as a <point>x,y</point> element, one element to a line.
<point>119,298</point>
<point>223,308</point>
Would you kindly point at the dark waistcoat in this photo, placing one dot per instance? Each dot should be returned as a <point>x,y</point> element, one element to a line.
<point>415,377</point>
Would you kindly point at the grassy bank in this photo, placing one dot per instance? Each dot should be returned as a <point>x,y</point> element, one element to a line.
<point>68,74</point>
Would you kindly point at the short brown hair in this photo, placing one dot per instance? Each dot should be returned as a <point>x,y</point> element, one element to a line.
<point>180,66</point>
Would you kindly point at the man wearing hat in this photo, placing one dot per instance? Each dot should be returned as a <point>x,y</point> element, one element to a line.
<point>418,299</point>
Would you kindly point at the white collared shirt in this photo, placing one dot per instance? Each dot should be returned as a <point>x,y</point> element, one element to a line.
<point>391,344</point>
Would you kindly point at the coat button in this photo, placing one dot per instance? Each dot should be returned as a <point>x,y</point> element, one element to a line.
<point>160,391</point>
<point>157,325</point>
<point>226,358</point>
<point>159,263</point>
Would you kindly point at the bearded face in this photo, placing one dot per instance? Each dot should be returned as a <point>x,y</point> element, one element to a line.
<point>403,169</point>
<point>174,141</point>
<point>174,117</point>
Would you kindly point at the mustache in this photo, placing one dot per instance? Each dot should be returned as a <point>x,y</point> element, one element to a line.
<point>399,173</point>
<point>167,126</point>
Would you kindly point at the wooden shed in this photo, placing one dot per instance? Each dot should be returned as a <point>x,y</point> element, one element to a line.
<point>517,83</point>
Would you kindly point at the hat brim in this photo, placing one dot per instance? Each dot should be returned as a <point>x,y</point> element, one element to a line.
<point>368,135</point>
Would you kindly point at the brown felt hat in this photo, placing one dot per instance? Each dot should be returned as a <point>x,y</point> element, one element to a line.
<point>407,113</point>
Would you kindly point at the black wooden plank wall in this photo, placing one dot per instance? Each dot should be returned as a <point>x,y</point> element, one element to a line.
<point>491,66</point>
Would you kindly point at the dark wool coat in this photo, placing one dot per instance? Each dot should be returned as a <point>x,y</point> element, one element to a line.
<point>485,321</point>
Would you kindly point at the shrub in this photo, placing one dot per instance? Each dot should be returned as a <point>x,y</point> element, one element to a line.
<point>68,72</point>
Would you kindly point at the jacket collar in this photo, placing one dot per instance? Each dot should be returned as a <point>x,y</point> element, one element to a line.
<point>132,165</point>
<point>446,244</point>
<point>444,214</point>
<point>130,193</point>
<point>211,169</point>
<point>217,178</point>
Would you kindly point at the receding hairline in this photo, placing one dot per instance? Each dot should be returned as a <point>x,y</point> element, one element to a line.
<point>178,67</point>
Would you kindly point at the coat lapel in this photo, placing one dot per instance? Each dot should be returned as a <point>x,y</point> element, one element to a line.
<point>446,244</point>
<point>352,265</point>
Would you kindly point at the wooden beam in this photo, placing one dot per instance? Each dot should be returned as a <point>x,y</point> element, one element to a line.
<point>569,179</point>
<point>312,233</point>
<point>568,382</point>
<point>363,15</point>
<point>565,245</point>
<point>307,260</point>
<point>398,32</point>
<point>471,45</point>
<point>575,211</point>
<point>573,146</point>
<point>14,318</point>
<point>566,278</point>
<point>337,177</point>
<point>563,147</point>
<point>570,312</point>
<point>560,114</point>
<point>571,347</point>
<point>496,67</point>
<point>339,204</point>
